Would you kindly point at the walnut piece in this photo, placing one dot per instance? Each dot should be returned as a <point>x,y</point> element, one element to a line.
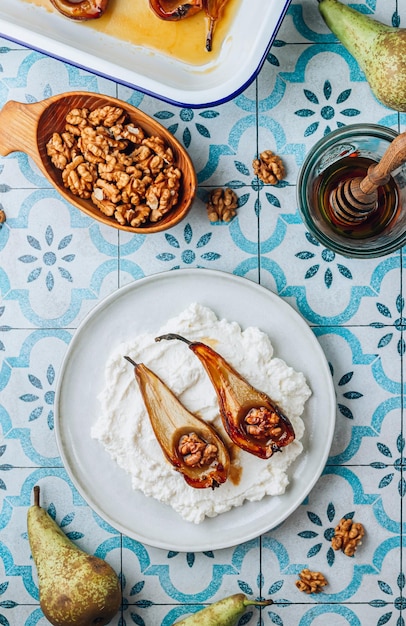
<point>107,116</point>
<point>261,422</point>
<point>222,205</point>
<point>127,175</point>
<point>195,451</point>
<point>311,582</point>
<point>269,167</point>
<point>347,536</point>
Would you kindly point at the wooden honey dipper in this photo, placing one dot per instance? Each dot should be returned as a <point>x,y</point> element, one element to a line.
<point>355,199</point>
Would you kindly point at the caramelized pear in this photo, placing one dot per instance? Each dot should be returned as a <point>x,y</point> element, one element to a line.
<point>173,10</point>
<point>82,9</point>
<point>188,443</point>
<point>251,419</point>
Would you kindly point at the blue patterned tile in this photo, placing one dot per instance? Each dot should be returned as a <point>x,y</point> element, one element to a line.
<point>28,384</point>
<point>46,267</point>
<point>194,243</point>
<point>308,532</point>
<point>56,265</point>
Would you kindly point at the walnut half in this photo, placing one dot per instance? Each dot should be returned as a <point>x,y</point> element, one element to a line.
<point>195,451</point>
<point>347,536</point>
<point>269,167</point>
<point>311,582</point>
<point>222,205</point>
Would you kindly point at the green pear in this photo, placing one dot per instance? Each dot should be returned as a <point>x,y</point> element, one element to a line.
<point>222,613</point>
<point>75,588</point>
<point>379,50</point>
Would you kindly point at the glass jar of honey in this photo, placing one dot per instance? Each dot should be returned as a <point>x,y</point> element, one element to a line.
<point>344,154</point>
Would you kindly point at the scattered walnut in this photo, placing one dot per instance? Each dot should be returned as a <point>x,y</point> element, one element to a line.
<point>310,582</point>
<point>269,167</point>
<point>347,536</point>
<point>2,216</point>
<point>127,175</point>
<point>222,205</point>
<point>195,451</point>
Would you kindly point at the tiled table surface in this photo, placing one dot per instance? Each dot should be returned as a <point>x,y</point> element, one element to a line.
<point>55,265</point>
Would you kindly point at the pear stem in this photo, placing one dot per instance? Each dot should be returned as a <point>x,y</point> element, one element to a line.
<point>131,361</point>
<point>258,603</point>
<point>170,336</point>
<point>209,37</point>
<point>36,495</point>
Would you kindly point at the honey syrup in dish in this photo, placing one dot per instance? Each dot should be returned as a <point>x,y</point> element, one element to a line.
<point>133,21</point>
<point>388,206</point>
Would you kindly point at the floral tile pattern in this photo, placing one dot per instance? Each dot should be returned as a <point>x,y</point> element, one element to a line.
<point>56,265</point>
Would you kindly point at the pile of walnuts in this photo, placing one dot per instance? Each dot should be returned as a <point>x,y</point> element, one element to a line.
<point>129,176</point>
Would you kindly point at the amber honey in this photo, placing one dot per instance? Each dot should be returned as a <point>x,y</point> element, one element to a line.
<point>133,21</point>
<point>383,217</point>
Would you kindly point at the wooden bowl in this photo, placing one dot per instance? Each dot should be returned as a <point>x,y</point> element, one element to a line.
<point>28,128</point>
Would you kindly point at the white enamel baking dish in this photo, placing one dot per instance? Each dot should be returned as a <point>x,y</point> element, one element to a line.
<point>251,35</point>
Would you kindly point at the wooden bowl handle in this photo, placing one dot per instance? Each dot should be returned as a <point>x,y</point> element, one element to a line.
<point>379,173</point>
<point>18,128</point>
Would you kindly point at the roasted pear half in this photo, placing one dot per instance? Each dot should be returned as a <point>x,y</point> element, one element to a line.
<point>251,419</point>
<point>188,443</point>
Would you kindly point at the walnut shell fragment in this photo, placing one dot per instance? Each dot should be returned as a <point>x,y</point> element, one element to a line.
<point>311,582</point>
<point>269,167</point>
<point>347,536</point>
<point>222,205</point>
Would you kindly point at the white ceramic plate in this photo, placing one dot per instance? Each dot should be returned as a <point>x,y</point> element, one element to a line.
<point>252,32</point>
<point>143,306</point>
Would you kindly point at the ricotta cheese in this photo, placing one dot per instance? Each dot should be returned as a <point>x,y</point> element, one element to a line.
<point>124,430</point>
